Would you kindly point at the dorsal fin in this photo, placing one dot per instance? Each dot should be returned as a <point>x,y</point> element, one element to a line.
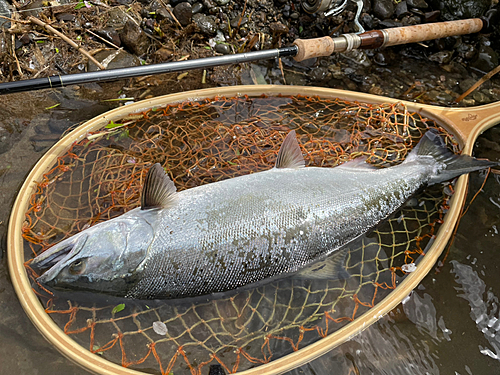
<point>158,190</point>
<point>289,155</point>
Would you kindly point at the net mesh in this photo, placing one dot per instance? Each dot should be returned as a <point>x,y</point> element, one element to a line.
<point>200,142</point>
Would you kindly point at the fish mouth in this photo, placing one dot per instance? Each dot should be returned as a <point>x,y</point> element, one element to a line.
<point>53,260</point>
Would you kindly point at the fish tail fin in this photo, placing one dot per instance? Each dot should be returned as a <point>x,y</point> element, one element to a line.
<point>448,164</point>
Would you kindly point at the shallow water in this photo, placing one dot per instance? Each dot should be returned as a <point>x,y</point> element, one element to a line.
<point>453,311</point>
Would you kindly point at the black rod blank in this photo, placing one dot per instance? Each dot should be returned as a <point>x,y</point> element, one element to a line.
<point>136,71</point>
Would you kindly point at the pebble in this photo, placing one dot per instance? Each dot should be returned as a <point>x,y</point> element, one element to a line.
<point>134,38</point>
<point>197,8</point>
<point>110,34</point>
<point>486,60</point>
<point>117,18</point>
<point>206,24</point>
<point>460,9</point>
<point>184,13</point>
<point>441,57</point>
<point>223,48</point>
<point>122,59</point>
<point>420,4</point>
<point>66,17</point>
<point>401,9</point>
<point>480,97</point>
<point>383,8</point>
<point>278,28</point>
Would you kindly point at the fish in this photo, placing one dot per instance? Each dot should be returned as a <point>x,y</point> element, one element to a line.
<point>246,230</point>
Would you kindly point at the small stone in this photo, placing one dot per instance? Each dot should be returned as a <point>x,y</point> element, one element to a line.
<point>111,35</point>
<point>236,20</point>
<point>401,9</point>
<point>318,74</point>
<point>222,2</point>
<point>117,18</point>
<point>4,11</point>
<point>164,54</point>
<point>121,59</point>
<point>225,49</point>
<point>480,97</point>
<point>134,38</point>
<point>197,8</point>
<point>420,4</point>
<point>66,17</point>
<point>184,13</point>
<point>294,16</point>
<point>278,28</point>
<point>431,16</point>
<point>486,60</point>
<point>441,57</point>
<point>206,24</point>
<point>383,8</point>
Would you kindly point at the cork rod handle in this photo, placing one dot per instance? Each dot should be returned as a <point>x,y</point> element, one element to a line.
<point>325,46</point>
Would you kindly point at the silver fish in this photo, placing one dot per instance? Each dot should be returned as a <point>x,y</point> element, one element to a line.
<point>229,234</point>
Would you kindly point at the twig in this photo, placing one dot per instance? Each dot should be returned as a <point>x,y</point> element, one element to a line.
<point>478,83</point>
<point>15,56</point>
<point>103,39</point>
<point>171,13</point>
<point>66,39</point>
<point>13,20</point>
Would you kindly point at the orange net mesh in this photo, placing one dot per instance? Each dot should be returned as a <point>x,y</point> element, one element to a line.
<point>100,177</point>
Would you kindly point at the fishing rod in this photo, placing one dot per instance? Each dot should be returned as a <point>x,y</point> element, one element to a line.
<point>302,49</point>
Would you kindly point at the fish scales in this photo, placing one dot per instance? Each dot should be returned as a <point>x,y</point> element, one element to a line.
<point>266,224</point>
<point>236,232</point>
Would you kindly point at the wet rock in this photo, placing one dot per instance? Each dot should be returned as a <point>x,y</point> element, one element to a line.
<point>33,9</point>
<point>117,18</point>
<point>66,17</point>
<point>222,2</point>
<point>319,74</point>
<point>383,8</point>
<point>367,21</point>
<point>486,60</point>
<point>466,84</point>
<point>390,23</point>
<point>4,11</point>
<point>419,4</point>
<point>441,57</point>
<point>197,8</point>
<point>111,35</point>
<point>26,39</point>
<point>5,136</point>
<point>206,24</point>
<point>480,97</point>
<point>163,14</point>
<point>183,12</point>
<point>134,38</point>
<point>459,9</point>
<point>401,9</point>
<point>236,20</point>
<point>114,59</point>
<point>432,16</point>
<point>223,48</point>
<point>380,59</point>
<point>466,51</point>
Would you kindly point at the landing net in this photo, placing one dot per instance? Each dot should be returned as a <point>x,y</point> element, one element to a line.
<point>100,177</point>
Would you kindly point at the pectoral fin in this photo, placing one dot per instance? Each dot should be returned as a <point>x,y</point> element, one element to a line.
<point>289,155</point>
<point>331,268</point>
<point>159,190</point>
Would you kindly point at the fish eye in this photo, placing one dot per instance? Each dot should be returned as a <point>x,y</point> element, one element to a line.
<point>77,267</point>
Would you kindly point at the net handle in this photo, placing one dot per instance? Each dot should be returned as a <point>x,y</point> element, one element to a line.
<point>95,363</point>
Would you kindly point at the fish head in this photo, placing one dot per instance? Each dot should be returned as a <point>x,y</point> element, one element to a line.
<point>104,258</point>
